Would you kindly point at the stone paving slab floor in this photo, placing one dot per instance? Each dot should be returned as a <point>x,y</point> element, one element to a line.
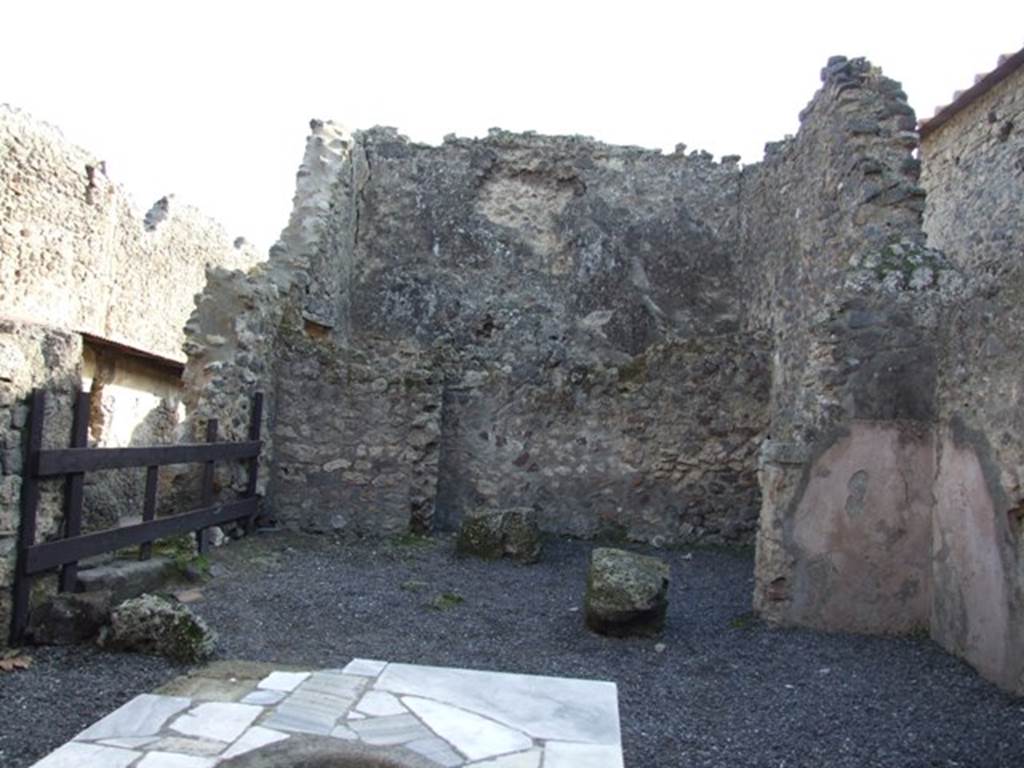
<point>449,718</point>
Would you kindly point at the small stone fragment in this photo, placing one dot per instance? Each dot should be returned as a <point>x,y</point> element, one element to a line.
<point>188,595</point>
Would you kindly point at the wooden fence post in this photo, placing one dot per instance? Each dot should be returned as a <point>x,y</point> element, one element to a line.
<point>74,488</point>
<point>149,507</point>
<point>29,508</point>
<point>255,421</point>
<point>73,462</point>
<point>207,487</point>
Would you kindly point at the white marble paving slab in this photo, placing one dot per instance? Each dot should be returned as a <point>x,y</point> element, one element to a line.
<point>566,755</point>
<point>186,746</point>
<point>130,742</point>
<point>563,709</point>
<point>172,760</point>
<point>326,702</point>
<point>438,751</point>
<point>316,705</point>
<point>304,715</point>
<point>365,667</point>
<point>453,717</point>
<point>334,684</point>
<point>217,721</point>
<point>528,759</point>
<point>474,736</point>
<point>297,720</point>
<point>379,704</point>
<point>386,731</point>
<point>144,715</point>
<point>344,732</point>
<point>75,754</point>
<point>282,681</point>
<point>264,698</point>
<point>254,738</point>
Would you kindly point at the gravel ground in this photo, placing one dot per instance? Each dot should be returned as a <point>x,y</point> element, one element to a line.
<point>724,691</point>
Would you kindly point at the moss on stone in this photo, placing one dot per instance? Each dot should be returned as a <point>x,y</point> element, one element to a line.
<point>480,536</point>
<point>493,534</point>
<point>746,620</point>
<point>446,601</point>
<point>157,626</point>
<point>635,371</point>
<point>413,540</point>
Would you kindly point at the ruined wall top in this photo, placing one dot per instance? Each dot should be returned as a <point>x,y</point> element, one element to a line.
<point>75,253</point>
<point>835,260</point>
<point>973,170</point>
<point>633,243</point>
<point>518,261</point>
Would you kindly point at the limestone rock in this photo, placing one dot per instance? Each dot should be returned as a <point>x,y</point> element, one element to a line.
<point>496,533</point>
<point>520,535</point>
<point>627,593</point>
<point>480,535</point>
<point>159,627</point>
<point>69,617</point>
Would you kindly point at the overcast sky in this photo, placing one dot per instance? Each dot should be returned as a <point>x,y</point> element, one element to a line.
<point>211,100</point>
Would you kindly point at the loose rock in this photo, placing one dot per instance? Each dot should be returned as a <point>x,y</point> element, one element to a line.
<point>493,534</point>
<point>627,594</point>
<point>69,617</point>
<point>159,627</point>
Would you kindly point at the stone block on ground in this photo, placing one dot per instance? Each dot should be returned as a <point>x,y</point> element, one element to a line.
<point>125,579</point>
<point>68,618</point>
<point>627,593</point>
<point>159,627</point>
<point>496,533</point>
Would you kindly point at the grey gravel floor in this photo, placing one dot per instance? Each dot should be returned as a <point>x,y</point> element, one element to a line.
<point>725,691</point>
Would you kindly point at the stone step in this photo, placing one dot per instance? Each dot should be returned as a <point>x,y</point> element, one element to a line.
<point>129,578</point>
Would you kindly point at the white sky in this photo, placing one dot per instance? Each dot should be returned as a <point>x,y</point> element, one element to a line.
<point>211,100</point>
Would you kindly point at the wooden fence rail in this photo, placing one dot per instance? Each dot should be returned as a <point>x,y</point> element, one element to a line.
<point>75,461</point>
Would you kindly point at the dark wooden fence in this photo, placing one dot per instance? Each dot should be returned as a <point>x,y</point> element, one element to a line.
<point>72,463</point>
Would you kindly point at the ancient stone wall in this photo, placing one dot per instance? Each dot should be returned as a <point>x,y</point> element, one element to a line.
<point>483,244</point>
<point>620,339</point>
<point>832,236</point>
<point>977,609</point>
<point>973,170</point>
<point>974,173</point>
<point>555,294</point>
<point>660,448</point>
<point>31,356</point>
<point>233,336</point>
<point>356,438</point>
<point>831,226</point>
<point>891,479</point>
<point>553,283</point>
<point>74,253</point>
